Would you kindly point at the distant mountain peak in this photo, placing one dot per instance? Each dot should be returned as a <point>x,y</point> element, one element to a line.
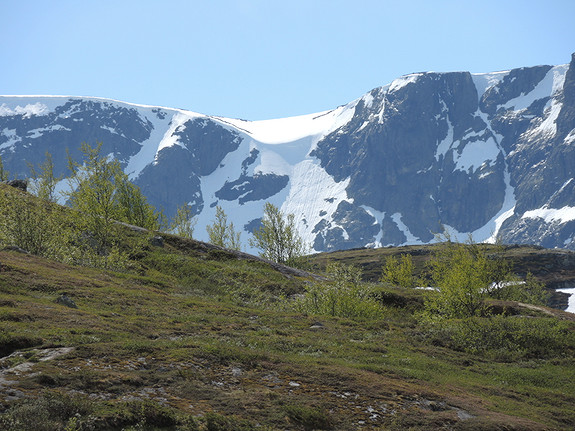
<point>488,154</point>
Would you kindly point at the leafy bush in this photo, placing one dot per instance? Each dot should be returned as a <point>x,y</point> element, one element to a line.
<point>184,222</point>
<point>278,237</point>
<point>223,233</point>
<point>399,271</point>
<point>530,291</point>
<point>343,295</point>
<point>466,274</point>
<point>34,226</point>
<point>101,194</point>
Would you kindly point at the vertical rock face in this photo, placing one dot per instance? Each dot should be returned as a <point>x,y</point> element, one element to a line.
<point>480,154</point>
<point>424,153</point>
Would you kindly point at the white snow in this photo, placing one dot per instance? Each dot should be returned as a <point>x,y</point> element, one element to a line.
<point>565,184</point>
<point>444,146</point>
<point>548,127</point>
<point>548,86</point>
<point>292,129</point>
<point>230,170</point>
<point>570,138</point>
<point>27,110</point>
<point>13,138</point>
<point>476,154</point>
<point>411,239</point>
<point>550,215</point>
<point>472,155</point>
<point>379,216</point>
<point>272,162</point>
<point>53,101</point>
<point>403,81</point>
<point>36,133</point>
<point>176,125</point>
<point>484,81</point>
<point>489,232</point>
<point>571,303</point>
<point>313,192</point>
<point>160,137</point>
<point>498,222</point>
<point>368,100</point>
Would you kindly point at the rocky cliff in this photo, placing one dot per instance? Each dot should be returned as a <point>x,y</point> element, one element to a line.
<point>483,154</point>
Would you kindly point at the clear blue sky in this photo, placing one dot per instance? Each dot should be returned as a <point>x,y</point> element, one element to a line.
<point>260,59</point>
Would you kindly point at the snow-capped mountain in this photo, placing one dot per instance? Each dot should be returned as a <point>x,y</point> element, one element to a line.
<point>488,154</point>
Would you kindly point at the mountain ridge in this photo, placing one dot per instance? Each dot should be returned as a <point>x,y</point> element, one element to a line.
<point>483,154</point>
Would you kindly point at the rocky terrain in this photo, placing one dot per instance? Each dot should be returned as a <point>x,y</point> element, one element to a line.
<point>484,154</point>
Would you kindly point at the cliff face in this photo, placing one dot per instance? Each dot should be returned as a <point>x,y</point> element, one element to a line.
<point>480,154</point>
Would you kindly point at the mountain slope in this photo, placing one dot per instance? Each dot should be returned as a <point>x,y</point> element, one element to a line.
<point>486,154</point>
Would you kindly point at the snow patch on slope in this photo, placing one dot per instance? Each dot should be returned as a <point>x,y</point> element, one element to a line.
<point>150,148</point>
<point>550,215</point>
<point>571,301</point>
<point>476,154</point>
<point>399,83</point>
<point>36,133</point>
<point>548,127</point>
<point>12,137</point>
<point>378,216</point>
<point>27,110</point>
<point>292,129</point>
<point>491,229</point>
<point>176,125</point>
<point>411,239</point>
<point>230,169</point>
<point>484,81</point>
<point>313,195</point>
<point>444,146</point>
<point>549,86</point>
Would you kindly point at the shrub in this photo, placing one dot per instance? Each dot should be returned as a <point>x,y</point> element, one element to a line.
<point>223,233</point>
<point>399,272</point>
<point>184,222</point>
<point>50,411</point>
<point>218,422</point>
<point>32,225</point>
<point>343,295</point>
<point>530,291</point>
<point>101,194</point>
<point>278,237</point>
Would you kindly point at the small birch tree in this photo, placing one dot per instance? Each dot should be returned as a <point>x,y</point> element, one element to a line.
<point>278,238</point>
<point>223,233</point>
<point>184,223</point>
<point>44,182</point>
<point>399,272</point>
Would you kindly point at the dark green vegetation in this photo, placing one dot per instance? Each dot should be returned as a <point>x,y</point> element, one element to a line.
<point>183,335</point>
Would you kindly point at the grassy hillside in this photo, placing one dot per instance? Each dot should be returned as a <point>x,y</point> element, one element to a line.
<point>190,336</point>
